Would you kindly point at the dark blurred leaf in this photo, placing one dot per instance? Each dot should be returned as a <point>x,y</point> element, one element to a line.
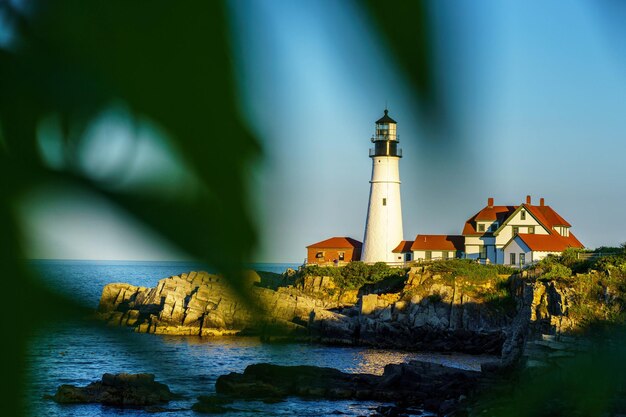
<point>168,62</point>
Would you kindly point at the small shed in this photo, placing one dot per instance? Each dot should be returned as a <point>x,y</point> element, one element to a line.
<point>335,250</point>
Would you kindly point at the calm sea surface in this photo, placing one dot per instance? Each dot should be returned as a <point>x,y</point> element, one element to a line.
<point>72,353</point>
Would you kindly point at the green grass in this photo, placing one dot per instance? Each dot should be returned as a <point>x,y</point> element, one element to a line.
<point>355,274</point>
<point>469,269</point>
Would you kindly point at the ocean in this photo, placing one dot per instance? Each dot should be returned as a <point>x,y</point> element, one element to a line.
<point>78,353</point>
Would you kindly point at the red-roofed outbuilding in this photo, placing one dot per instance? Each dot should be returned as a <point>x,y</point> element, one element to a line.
<point>334,250</point>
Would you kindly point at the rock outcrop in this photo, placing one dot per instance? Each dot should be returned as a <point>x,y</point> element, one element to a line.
<point>432,313</point>
<point>435,387</point>
<point>202,304</point>
<point>135,390</point>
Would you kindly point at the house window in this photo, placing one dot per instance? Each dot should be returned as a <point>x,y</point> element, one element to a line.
<point>481,227</point>
<point>319,255</point>
<point>482,252</point>
<point>515,230</point>
<point>444,254</point>
<point>384,201</point>
<point>512,259</point>
<point>522,215</point>
<point>531,230</point>
<point>429,255</point>
<point>342,256</point>
<point>522,258</point>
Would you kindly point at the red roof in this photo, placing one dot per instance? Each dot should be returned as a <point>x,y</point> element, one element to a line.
<point>551,217</point>
<point>438,242</point>
<point>550,243</point>
<point>404,246</point>
<point>499,213</point>
<point>337,242</point>
<point>545,215</point>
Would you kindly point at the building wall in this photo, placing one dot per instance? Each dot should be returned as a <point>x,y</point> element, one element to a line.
<point>383,228</point>
<point>330,254</point>
<point>507,232</point>
<point>435,254</point>
<point>539,255</point>
<point>517,247</point>
<point>473,244</point>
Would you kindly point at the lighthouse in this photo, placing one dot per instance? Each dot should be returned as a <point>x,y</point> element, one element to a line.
<point>383,227</point>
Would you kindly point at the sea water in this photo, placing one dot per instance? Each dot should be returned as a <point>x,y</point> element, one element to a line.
<point>78,353</point>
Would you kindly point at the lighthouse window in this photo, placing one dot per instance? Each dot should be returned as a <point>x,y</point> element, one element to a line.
<point>384,201</point>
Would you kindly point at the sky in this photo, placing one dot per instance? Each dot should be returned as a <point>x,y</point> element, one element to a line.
<point>537,91</point>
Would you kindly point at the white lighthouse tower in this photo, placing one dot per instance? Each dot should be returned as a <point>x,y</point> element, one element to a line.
<point>383,228</point>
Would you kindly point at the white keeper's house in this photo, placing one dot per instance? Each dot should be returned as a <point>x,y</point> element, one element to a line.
<point>510,235</point>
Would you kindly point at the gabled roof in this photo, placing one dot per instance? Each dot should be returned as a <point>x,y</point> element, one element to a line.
<point>385,118</point>
<point>548,243</point>
<point>404,246</point>
<point>337,243</point>
<point>545,215</point>
<point>551,217</point>
<point>438,242</point>
<point>493,213</point>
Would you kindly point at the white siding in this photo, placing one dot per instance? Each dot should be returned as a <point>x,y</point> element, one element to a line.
<point>435,254</point>
<point>517,247</point>
<point>473,244</point>
<point>538,255</point>
<point>507,231</point>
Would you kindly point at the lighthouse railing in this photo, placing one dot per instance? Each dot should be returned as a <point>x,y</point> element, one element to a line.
<point>398,152</point>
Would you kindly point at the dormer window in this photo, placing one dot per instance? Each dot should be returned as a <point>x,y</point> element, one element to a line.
<point>563,231</point>
<point>522,215</point>
<point>481,227</point>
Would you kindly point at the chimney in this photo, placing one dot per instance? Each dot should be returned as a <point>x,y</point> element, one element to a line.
<point>527,199</point>
<point>541,202</point>
<point>490,202</point>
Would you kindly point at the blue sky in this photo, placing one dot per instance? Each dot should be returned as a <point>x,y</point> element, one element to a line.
<point>538,93</point>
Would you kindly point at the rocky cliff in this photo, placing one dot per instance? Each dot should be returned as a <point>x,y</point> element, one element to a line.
<point>202,304</point>
<point>430,311</point>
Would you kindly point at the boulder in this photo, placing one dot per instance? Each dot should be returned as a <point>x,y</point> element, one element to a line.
<point>117,390</point>
<point>412,382</point>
